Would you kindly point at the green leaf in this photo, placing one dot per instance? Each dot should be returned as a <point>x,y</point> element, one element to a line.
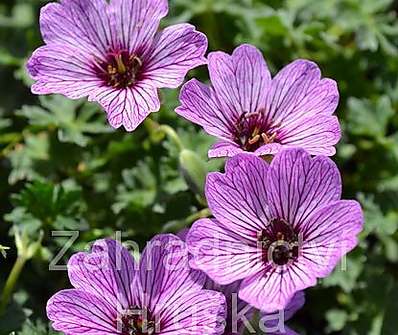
<point>74,120</point>
<point>138,188</point>
<point>27,156</point>
<point>337,319</point>
<point>346,275</point>
<point>369,118</point>
<point>391,311</point>
<point>35,328</point>
<point>43,203</point>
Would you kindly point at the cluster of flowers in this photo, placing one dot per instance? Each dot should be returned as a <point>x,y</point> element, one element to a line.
<point>277,226</point>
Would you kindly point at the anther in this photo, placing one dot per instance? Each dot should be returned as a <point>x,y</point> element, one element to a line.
<point>254,139</point>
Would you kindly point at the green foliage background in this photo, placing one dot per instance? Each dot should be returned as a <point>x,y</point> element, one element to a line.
<point>63,168</point>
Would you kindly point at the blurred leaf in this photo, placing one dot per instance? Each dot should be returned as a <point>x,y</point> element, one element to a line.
<point>337,319</point>
<point>138,188</point>
<point>43,203</point>
<point>375,220</point>
<point>25,156</point>
<point>391,311</point>
<point>73,119</point>
<point>347,277</point>
<point>22,16</point>
<point>37,328</point>
<point>369,118</point>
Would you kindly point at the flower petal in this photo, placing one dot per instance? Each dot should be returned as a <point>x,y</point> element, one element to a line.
<point>136,22</point>
<point>298,184</point>
<point>224,149</point>
<point>63,70</point>
<point>238,311</point>
<point>330,233</point>
<point>297,91</point>
<point>200,106</point>
<point>164,273</point>
<point>224,255</point>
<point>128,107</point>
<point>195,313</point>
<point>294,305</point>
<point>107,271</point>
<point>276,322</point>
<point>241,80</point>
<point>78,312</point>
<point>317,135</point>
<point>268,149</point>
<point>81,24</point>
<point>175,51</point>
<point>238,198</point>
<point>273,288</point>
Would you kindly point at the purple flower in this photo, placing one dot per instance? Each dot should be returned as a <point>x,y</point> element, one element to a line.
<point>113,54</point>
<point>240,314</point>
<point>112,295</point>
<point>238,311</point>
<point>249,111</point>
<point>275,322</point>
<point>277,227</point>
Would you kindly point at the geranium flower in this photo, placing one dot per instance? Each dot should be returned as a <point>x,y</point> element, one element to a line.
<point>249,111</point>
<point>112,295</point>
<point>277,227</point>
<point>113,54</point>
<point>274,323</point>
<point>238,311</point>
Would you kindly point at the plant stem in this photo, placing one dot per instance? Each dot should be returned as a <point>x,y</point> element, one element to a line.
<point>211,26</point>
<point>154,127</point>
<point>204,213</point>
<point>172,134</point>
<point>11,282</point>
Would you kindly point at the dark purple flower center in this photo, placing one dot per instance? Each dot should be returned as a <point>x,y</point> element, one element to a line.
<point>279,242</point>
<point>120,69</point>
<point>137,322</point>
<point>253,130</point>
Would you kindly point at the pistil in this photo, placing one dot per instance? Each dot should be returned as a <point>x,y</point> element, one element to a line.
<point>253,130</point>
<point>120,69</point>
<point>279,243</point>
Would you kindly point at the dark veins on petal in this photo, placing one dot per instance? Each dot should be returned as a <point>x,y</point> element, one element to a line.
<point>120,69</point>
<point>136,321</point>
<point>279,242</point>
<point>252,130</point>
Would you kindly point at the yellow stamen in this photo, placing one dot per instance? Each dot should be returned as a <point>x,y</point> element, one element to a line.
<point>137,59</point>
<point>268,139</point>
<point>111,70</point>
<point>255,132</point>
<point>254,139</point>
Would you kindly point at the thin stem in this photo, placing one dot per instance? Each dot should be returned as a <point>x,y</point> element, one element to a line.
<point>155,128</point>
<point>172,134</point>
<point>11,282</point>
<point>210,24</point>
<point>203,213</point>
